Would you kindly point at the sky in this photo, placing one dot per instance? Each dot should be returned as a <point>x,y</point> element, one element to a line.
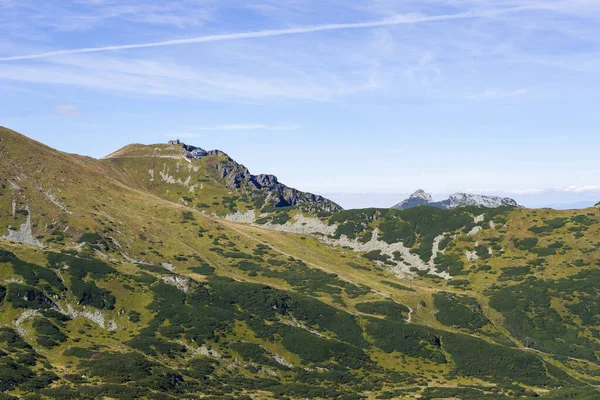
<point>362,101</point>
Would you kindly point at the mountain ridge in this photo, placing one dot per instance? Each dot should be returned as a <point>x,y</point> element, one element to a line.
<point>459,199</point>
<point>233,175</point>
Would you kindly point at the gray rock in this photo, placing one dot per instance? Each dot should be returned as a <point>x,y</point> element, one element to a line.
<point>421,198</point>
<point>237,177</point>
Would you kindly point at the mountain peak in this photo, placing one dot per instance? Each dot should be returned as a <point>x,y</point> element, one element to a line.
<point>418,198</point>
<point>421,194</point>
<point>162,163</point>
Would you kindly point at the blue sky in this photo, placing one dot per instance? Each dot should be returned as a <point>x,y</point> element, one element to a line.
<point>363,101</point>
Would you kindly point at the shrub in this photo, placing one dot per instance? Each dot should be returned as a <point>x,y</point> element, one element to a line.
<point>22,296</point>
<point>376,255</point>
<point>526,244</point>
<point>411,340</point>
<point>459,311</point>
<point>478,358</point>
<point>118,367</point>
<point>78,352</point>
<point>388,308</point>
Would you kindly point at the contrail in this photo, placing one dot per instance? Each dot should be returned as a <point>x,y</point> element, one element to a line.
<point>397,20</point>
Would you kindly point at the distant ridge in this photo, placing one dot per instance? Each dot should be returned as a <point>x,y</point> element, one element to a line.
<point>422,198</point>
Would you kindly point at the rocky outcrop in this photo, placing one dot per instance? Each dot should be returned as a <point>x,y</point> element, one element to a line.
<point>418,198</point>
<point>207,153</point>
<point>466,199</point>
<point>421,198</point>
<point>24,234</point>
<point>237,177</point>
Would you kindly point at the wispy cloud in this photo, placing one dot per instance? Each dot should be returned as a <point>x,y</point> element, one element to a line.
<point>68,110</point>
<point>579,188</point>
<point>494,94</point>
<point>395,20</point>
<point>525,191</point>
<point>244,128</point>
<point>83,15</point>
<point>219,77</point>
<point>534,191</point>
<point>248,127</point>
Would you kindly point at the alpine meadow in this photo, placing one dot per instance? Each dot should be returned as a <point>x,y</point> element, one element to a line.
<point>161,273</point>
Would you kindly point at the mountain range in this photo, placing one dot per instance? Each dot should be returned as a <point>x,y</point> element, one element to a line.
<point>422,198</point>
<point>158,274</point>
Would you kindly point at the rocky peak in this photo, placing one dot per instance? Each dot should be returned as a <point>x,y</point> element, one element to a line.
<point>422,198</point>
<point>467,199</point>
<point>418,198</point>
<point>265,180</point>
<point>421,194</point>
<point>237,177</point>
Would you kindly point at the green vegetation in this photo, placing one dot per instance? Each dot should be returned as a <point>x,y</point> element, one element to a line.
<point>418,227</point>
<point>87,292</point>
<point>386,308</point>
<point>165,300</point>
<point>411,340</point>
<point>459,311</point>
<point>48,334</point>
<point>528,310</point>
<point>478,358</point>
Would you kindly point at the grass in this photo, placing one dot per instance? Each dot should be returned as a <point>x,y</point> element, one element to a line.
<point>143,220</point>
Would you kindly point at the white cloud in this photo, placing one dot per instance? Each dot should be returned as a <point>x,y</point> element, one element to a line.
<point>493,94</point>
<point>394,20</point>
<point>200,131</point>
<point>215,82</point>
<point>390,59</point>
<point>249,127</point>
<point>526,191</point>
<point>579,188</point>
<point>425,73</point>
<point>534,191</point>
<point>68,110</point>
<point>84,15</point>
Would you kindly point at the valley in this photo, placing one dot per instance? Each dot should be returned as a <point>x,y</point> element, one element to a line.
<point>149,274</point>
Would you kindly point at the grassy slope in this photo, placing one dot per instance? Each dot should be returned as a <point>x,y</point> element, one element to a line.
<point>116,200</point>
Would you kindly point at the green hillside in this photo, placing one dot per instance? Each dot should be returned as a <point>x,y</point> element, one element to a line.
<point>133,277</point>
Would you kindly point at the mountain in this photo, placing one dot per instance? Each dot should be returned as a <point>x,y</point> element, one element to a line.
<point>125,278</point>
<point>421,198</point>
<point>156,167</point>
<point>475,200</point>
<point>418,198</point>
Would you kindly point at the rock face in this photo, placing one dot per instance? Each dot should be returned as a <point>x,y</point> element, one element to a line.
<point>465,199</point>
<point>208,153</point>
<point>421,198</point>
<point>237,177</point>
<point>23,234</point>
<point>418,198</point>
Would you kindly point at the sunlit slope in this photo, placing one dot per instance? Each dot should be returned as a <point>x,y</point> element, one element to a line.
<point>214,183</point>
<point>126,292</point>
